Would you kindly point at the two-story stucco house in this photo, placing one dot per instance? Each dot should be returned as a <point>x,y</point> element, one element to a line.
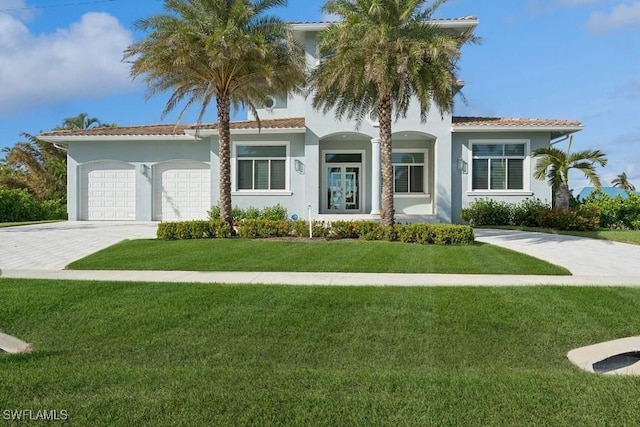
<point>306,161</point>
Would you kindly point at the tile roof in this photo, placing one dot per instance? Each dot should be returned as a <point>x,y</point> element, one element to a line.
<point>177,129</point>
<point>288,123</point>
<point>458,123</point>
<point>506,122</point>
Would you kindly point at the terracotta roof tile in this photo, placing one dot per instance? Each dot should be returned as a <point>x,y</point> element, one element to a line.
<point>145,130</point>
<point>461,122</point>
<point>288,123</point>
<point>173,129</point>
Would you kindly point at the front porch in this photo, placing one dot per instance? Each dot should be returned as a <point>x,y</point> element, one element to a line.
<point>350,183</point>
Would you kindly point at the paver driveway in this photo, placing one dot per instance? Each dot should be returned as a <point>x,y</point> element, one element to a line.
<point>52,246</point>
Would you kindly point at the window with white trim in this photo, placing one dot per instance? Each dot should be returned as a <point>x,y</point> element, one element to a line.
<point>408,172</point>
<point>498,166</point>
<point>261,167</point>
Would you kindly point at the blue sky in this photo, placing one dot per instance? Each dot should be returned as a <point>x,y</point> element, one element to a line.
<point>567,59</point>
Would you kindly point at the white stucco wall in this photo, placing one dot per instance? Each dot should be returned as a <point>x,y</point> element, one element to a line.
<point>136,153</point>
<point>461,182</point>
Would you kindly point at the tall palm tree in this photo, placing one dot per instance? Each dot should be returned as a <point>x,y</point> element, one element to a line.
<point>381,55</point>
<point>623,182</point>
<point>229,51</point>
<point>554,164</point>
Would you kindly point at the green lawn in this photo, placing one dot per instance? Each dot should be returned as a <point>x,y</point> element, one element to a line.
<point>313,256</point>
<point>123,354</point>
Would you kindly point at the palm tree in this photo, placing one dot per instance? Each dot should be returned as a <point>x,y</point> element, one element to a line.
<point>83,121</point>
<point>381,55</point>
<point>227,50</point>
<point>554,164</point>
<point>623,182</point>
<point>37,166</point>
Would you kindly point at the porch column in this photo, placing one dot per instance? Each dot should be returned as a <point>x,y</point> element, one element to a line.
<point>375,176</point>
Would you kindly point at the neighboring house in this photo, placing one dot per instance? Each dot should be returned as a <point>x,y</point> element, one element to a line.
<point>609,191</point>
<point>306,161</point>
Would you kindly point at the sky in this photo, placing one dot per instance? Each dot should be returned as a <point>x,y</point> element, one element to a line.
<point>563,59</point>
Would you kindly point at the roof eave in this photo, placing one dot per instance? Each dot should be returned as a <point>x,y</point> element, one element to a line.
<point>66,139</point>
<point>554,130</point>
<point>466,24</point>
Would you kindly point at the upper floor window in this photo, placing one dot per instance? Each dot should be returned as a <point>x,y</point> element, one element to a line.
<point>408,172</point>
<point>261,167</point>
<point>498,166</point>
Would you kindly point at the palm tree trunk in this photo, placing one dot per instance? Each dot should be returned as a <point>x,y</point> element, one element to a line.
<point>224,136</point>
<point>384,117</point>
<point>562,197</point>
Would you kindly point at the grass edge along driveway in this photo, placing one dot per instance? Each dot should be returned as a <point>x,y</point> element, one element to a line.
<point>313,256</point>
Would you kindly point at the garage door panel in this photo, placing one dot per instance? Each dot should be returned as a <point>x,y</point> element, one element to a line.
<point>182,191</point>
<point>108,192</point>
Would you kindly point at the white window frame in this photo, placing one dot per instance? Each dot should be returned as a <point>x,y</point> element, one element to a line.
<point>526,167</point>
<point>287,166</point>
<point>425,173</point>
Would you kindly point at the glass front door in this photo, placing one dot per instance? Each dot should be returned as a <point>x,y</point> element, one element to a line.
<point>343,188</point>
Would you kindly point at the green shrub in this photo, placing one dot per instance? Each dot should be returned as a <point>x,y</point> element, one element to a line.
<point>273,213</point>
<point>367,230</point>
<point>483,212</point>
<point>371,230</point>
<point>581,219</point>
<point>616,212</point>
<point>263,228</point>
<point>193,230</point>
<point>344,229</point>
<point>19,205</point>
<point>525,213</point>
<point>439,234</point>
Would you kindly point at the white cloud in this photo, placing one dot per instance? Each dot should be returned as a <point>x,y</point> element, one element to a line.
<point>81,61</point>
<point>623,15</point>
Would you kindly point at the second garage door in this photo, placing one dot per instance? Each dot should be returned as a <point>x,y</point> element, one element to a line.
<point>182,191</point>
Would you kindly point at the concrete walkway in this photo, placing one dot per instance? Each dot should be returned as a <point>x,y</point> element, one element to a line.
<point>42,251</point>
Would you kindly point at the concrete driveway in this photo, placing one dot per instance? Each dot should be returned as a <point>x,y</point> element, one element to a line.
<point>52,246</point>
<point>582,257</point>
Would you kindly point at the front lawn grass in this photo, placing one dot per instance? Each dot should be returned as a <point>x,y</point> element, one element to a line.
<point>313,256</point>
<point>123,354</point>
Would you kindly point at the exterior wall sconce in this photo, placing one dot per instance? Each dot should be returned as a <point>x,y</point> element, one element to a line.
<point>299,167</point>
<point>144,169</point>
<point>463,166</point>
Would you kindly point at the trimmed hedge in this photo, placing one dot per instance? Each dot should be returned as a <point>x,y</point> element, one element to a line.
<point>439,234</point>
<point>482,212</point>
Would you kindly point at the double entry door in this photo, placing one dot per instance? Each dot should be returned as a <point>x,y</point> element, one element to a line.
<point>343,183</point>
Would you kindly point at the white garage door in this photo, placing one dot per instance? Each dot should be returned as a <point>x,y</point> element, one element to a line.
<point>108,192</point>
<point>182,191</point>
